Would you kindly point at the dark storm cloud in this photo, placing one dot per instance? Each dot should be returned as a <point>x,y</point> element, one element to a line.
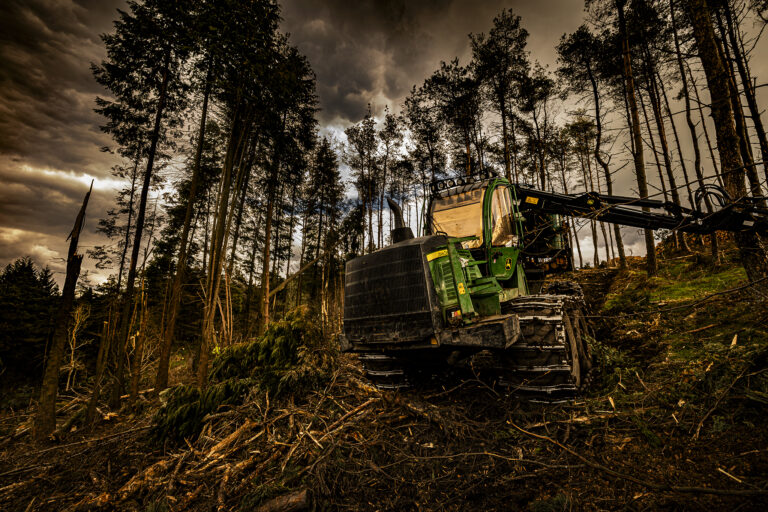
<point>375,51</point>
<point>46,88</point>
<point>49,134</point>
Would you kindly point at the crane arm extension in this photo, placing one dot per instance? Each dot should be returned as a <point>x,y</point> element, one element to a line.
<point>744,215</point>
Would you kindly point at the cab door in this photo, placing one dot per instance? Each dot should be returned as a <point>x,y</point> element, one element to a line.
<point>501,236</point>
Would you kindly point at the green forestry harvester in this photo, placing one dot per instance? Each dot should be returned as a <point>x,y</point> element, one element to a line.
<point>468,293</point>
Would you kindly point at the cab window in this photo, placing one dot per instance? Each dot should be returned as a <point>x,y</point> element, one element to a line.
<point>502,225</point>
<point>460,215</point>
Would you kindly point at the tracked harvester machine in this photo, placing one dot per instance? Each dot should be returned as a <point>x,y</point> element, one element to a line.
<point>460,298</point>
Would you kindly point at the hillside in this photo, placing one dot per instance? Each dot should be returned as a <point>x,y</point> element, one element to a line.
<point>672,419</point>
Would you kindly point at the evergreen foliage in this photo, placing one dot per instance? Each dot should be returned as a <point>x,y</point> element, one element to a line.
<point>291,357</point>
<point>28,300</point>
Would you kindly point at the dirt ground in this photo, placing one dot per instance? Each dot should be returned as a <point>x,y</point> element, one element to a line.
<point>673,420</point>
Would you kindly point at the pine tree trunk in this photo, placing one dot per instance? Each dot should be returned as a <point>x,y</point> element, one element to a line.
<point>45,420</point>
<point>692,129</point>
<point>749,91</point>
<point>753,255</point>
<point>578,244</point>
<point>251,269</point>
<point>704,128</point>
<point>127,239</point>
<point>138,351</point>
<point>231,175</point>
<point>513,159</point>
<point>277,224</point>
<point>265,255</point>
<point>655,151</point>
<point>264,320</point>
<point>161,381</point>
<point>601,161</point>
<point>745,145</point>
<point>642,184</point>
<point>125,320</point>
<point>469,154</point>
<point>291,220</point>
<point>243,192</point>
<point>301,260</point>
<point>679,147</point>
<point>505,137</point>
<point>101,364</point>
<point>661,130</point>
<point>572,228</point>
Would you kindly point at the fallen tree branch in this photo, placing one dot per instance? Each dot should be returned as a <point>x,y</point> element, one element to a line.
<point>231,438</point>
<point>341,420</point>
<point>638,481</point>
<point>87,441</point>
<point>717,403</point>
<point>287,503</point>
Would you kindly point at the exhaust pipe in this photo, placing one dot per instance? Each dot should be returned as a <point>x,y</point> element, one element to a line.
<point>401,231</point>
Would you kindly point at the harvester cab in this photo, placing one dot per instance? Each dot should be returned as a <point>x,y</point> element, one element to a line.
<point>421,304</point>
<point>517,250</point>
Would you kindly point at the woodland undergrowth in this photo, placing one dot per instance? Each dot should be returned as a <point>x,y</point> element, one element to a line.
<point>672,420</point>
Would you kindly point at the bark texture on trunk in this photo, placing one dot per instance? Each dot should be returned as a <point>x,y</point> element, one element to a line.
<point>125,318</point>
<point>752,252</point>
<point>161,382</point>
<point>642,184</point>
<point>45,421</point>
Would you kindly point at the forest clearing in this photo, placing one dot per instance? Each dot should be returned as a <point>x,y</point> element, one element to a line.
<point>275,262</point>
<point>671,420</point>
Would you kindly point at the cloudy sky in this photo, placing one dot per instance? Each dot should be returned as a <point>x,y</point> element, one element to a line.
<point>363,52</point>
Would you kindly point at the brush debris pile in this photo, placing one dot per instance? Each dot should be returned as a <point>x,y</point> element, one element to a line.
<point>673,419</point>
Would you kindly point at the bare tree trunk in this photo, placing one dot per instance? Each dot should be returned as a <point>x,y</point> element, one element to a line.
<point>271,193</point>
<point>505,137</point>
<point>371,243</point>
<point>673,188</point>
<point>654,150</point>
<point>578,245</point>
<point>251,269</point>
<point>161,381</point>
<point>691,129</point>
<point>231,179</point>
<point>753,255</point>
<point>45,420</point>
<point>138,351</point>
<point>642,185</point>
<point>572,227</point>
<point>301,260</point>
<point>513,159</point>
<point>662,132</point>
<point>679,147</point>
<point>127,239</point>
<point>704,128</point>
<point>749,91</point>
<point>601,161</point>
<point>239,216</point>
<point>745,145</point>
<point>101,364</point>
<point>278,228</point>
<point>291,221</point>
<point>125,321</point>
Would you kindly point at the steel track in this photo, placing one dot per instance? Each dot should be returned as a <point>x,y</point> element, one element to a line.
<point>538,368</point>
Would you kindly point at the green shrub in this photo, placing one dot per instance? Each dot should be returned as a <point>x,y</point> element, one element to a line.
<point>292,356</point>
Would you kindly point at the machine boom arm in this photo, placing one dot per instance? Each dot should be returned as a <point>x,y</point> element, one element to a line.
<point>743,215</point>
